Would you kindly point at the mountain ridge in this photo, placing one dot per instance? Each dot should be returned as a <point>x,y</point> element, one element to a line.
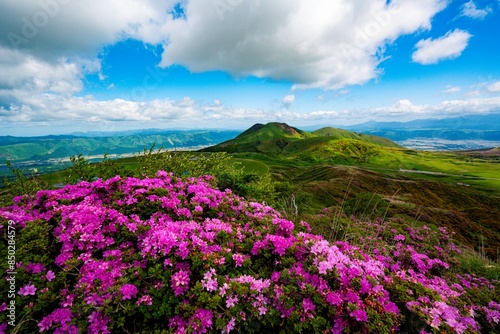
<point>276,137</point>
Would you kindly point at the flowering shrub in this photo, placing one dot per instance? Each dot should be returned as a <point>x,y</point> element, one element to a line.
<point>165,254</point>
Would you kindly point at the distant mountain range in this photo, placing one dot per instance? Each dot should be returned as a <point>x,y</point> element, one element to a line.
<point>474,127</point>
<point>471,122</point>
<point>92,144</point>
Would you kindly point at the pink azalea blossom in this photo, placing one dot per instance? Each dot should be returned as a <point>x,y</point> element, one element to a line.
<point>27,290</point>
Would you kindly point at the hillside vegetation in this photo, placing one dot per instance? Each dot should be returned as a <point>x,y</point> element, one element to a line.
<point>329,166</point>
<point>280,137</point>
<point>165,254</point>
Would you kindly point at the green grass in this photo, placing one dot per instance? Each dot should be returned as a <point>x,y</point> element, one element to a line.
<point>253,166</point>
<point>271,131</point>
<point>334,133</point>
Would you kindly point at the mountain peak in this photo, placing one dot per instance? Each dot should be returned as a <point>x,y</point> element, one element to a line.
<point>270,131</point>
<point>287,128</point>
<point>254,128</point>
<point>276,137</point>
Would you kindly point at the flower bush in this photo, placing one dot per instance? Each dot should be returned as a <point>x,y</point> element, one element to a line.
<point>164,254</point>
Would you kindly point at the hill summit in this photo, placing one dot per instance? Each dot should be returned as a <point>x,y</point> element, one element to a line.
<point>269,131</point>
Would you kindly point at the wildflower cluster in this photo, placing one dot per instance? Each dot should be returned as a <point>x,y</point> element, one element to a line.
<point>142,255</point>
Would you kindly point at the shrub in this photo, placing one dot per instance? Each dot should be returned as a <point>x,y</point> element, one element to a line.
<point>163,254</point>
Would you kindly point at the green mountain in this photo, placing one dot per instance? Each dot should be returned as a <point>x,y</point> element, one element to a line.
<point>342,134</point>
<point>271,131</point>
<point>263,138</point>
<point>275,137</point>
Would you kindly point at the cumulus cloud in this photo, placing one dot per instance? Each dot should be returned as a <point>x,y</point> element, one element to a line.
<point>449,46</point>
<point>48,46</point>
<point>469,9</point>
<point>287,101</point>
<point>51,28</point>
<point>23,74</point>
<point>329,45</point>
<point>450,107</point>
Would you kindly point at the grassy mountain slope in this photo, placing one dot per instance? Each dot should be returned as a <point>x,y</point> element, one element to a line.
<point>342,134</point>
<point>459,191</point>
<point>469,212</point>
<point>268,138</point>
<point>281,138</point>
<point>342,147</point>
<point>270,131</point>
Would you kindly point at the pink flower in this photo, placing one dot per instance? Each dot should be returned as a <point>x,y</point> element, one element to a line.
<point>229,325</point>
<point>399,237</point>
<point>359,315</point>
<point>308,305</point>
<point>28,289</point>
<point>238,258</point>
<point>333,298</point>
<point>208,282</point>
<point>34,268</point>
<point>180,282</point>
<point>98,323</point>
<point>128,291</point>
<point>231,301</point>
<point>50,275</point>
<point>146,300</point>
<point>201,321</point>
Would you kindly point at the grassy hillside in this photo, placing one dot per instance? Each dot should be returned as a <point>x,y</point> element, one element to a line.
<point>343,134</point>
<point>270,131</point>
<point>457,190</point>
<point>274,138</point>
<point>269,138</point>
<point>342,147</point>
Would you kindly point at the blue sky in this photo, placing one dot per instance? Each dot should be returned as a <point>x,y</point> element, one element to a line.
<point>68,65</point>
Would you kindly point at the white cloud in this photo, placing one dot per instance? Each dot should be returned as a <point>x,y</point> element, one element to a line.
<point>86,113</point>
<point>328,45</point>
<point>452,90</point>
<point>287,101</point>
<point>51,28</point>
<point>469,9</point>
<point>449,46</point>
<point>23,75</point>
<point>48,46</point>
<point>494,87</point>
<point>451,107</point>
